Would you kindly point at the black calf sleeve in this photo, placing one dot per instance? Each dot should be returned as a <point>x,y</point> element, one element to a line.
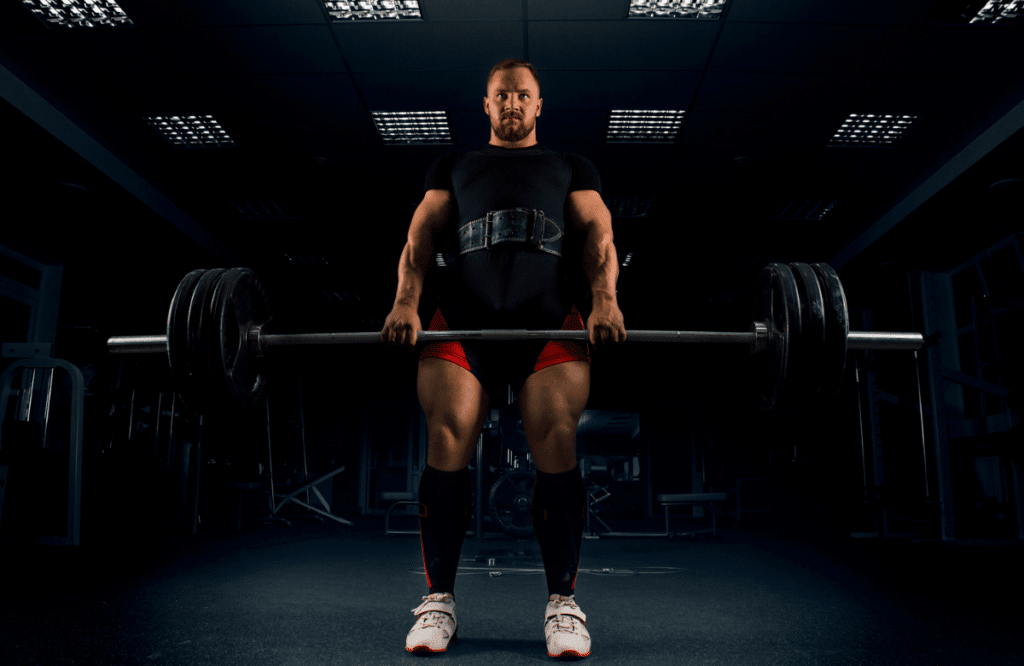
<point>445,504</point>
<point>558,516</point>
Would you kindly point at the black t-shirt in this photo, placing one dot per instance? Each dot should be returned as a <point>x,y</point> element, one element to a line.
<point>511,285</point>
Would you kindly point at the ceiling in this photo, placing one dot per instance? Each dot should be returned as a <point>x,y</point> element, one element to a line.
<point>312,199</point>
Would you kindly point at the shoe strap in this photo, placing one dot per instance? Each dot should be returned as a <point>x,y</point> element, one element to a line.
<point>565,609</point>
<point>432,605</point>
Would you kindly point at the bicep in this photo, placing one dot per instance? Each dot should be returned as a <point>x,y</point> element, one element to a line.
<point>431,214</point>
<point>588,212</point>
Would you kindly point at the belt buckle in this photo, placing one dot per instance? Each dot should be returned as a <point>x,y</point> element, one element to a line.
<point>488,225</point>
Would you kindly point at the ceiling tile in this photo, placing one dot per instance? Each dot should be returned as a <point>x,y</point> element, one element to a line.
<point>937,95</point>
<point>425,46</point>
<point>472,10</point>
<point>768,92</point>
<point>962,50</point>
<point>135,97</point>
<point>461,90</point>
<point>571,127</point>
<point>299,93</point>
<point>250,50</point>
<point>778,47</point>
<point>618,89</point>
<point>576,10</point>
<point>656,45</point>
<point>332,134</point>
<point>470,129</point>
<point>203,13</point>
<point>85,54</point>
<point>764,129</point>
<point>872,12</point>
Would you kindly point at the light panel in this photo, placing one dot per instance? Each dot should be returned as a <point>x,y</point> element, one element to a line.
<point>629,207</point>
<point>260,209</point>
<point>1000,11</point>
<point>644,126</point>
<point>191,131</point>
<point>808,209</point>
<point>412,127</point>
<point>676,9</point>
<point>870,129</point>
<point>373,10</point>
<point>78,13</point>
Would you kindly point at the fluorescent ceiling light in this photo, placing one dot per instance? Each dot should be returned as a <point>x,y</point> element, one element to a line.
<point>373,10</point>
<point>78,13</point>
<point>808,209</point>
<point>191,131</point>
<point>870,129</point>
<point>676,9</point>
<point>629,207</point>
<point>1000,11</point>
<point>412,127</point>
<point>638,125</point>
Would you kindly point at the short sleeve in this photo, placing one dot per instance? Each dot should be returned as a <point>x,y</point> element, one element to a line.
<point>584,174</point>
<point>439,175</point>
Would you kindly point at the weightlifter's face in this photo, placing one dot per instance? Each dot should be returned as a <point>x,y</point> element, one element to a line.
<point>513,103</point>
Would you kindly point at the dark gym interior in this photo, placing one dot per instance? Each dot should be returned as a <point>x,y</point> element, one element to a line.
<point>880,525</point>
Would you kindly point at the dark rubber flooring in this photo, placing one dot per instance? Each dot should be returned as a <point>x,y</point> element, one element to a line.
<point>327,594</point>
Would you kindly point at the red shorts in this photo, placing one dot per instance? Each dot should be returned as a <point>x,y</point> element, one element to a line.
<point>554,352</point>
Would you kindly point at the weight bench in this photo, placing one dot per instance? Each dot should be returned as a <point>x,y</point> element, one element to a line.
<point>706,500</point>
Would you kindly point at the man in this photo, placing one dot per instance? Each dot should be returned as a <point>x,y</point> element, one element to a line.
<point>512,209</point>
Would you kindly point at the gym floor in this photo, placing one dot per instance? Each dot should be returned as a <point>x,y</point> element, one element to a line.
<point>327,594</point>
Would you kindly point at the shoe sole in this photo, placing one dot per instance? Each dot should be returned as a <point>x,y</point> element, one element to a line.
<point>569,653</point>
<point>426,649</point>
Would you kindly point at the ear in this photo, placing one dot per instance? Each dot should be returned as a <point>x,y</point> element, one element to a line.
<point>540,104</point>
<point>487,106</point>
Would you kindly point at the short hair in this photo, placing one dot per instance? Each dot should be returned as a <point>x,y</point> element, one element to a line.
<point>512,64</point>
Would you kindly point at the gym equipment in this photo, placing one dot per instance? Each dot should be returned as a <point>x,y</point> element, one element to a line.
<point>217,337</point>
<point>509,503</point>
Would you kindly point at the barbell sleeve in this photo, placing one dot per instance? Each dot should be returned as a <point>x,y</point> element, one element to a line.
<point>880,340</point>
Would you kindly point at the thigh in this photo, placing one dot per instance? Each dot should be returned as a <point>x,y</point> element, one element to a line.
<point>455,404</point>
<point>552,401</point>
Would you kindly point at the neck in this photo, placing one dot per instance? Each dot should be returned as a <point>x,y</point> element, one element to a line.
<point>524,143</point>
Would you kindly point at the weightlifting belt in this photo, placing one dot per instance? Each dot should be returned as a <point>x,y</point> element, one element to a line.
<point>517,224</point>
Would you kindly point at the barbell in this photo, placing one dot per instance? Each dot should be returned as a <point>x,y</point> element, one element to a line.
<point>217,337</point>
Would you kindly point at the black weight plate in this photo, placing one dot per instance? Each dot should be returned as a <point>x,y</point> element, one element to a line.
<point>197,391</point>
<point>810,371</point>
<point>217,393</point>
<point>777,303</point>
<point>177,327</point>
<point>509,503</point>
<point>240,303</point>
<point>837,328</point>
<point>510,427</point>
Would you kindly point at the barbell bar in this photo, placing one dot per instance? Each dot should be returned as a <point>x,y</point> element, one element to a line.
<point>216,337</point>
<point>256,339</point>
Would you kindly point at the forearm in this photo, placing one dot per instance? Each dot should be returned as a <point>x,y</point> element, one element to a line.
<point>601,265</point>
<point>412,271</point>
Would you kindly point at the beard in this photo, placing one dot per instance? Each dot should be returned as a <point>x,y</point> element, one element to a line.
<point>512,131</point>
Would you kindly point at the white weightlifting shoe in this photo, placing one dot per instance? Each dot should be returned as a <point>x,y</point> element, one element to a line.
<point>565,628</point>
<point>436,624</point>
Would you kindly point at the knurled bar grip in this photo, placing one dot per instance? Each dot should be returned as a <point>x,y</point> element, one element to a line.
<point>757,338</point>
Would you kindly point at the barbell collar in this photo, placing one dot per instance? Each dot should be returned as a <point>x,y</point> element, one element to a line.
<point>884,340</point>
<point>757,338</point>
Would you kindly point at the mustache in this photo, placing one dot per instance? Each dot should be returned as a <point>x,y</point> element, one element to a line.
<point>511,115</point>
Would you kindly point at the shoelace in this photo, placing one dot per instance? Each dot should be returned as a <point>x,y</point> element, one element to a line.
<point>565,622</point>
<point>433,618</point>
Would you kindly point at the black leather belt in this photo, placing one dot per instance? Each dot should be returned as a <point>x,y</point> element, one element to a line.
<point>521,225</point>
